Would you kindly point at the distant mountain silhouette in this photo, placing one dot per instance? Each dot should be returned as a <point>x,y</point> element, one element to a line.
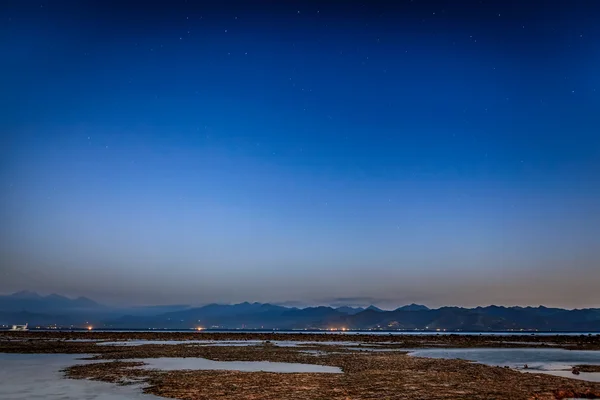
<point>33,302</point>
<point>30,307</point>
<point>412,307</point>
<point>25,294</point>
<point>206,316</point>
<point>350,310</point>
<point>154,310</point>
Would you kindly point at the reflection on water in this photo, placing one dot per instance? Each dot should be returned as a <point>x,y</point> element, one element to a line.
<point>38,376</point>
<point>170,364</point>
<point>551,361</point>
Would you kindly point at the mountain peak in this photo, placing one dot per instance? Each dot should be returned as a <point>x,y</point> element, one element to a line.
<point>26,294</point>
<point>55,296</point>
<point>84,301</point>
<point>413,307</point>
<point>350,310</point>
<point>373,308</point>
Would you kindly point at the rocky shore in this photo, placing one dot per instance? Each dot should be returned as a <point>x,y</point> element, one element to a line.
<point>366,374</point>
<point>579,342</point>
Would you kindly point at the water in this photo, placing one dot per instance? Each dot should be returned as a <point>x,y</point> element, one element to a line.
<point>371,349</point>
<point>279,343</point>
<point>550,361</point>
<point>171,364</point>
<point>190,342</point>
<point>291,343</point>
<point>38,377</point>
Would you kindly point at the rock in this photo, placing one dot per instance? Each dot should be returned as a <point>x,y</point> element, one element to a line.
<point>575,371</point>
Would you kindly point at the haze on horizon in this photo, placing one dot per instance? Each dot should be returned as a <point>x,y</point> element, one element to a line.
<point>380,153</point>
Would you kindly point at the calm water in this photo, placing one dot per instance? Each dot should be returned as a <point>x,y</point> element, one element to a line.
<point>552,361</point>
<point>279,343</point>
<point>170,364</point>
<point>38,377</point>
<point>189,342</point>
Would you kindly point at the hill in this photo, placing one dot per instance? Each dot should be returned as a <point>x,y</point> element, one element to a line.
<point>30,307</point>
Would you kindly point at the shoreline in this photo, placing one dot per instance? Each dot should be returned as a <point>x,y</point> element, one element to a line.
<point>579,342</point>
<point>365,374</point>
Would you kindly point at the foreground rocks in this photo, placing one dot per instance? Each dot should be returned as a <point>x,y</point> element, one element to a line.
<point>366,375</point>
<point>579,342</point>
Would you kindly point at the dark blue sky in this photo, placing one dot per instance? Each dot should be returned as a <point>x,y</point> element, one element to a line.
<point>440,152</point>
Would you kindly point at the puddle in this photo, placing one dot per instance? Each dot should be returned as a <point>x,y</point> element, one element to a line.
<point>9,339</point>
<point>371,349</point>
<point>289,343</point>
<point>315,352</point>
<point>556,362</point>
<point>171,364</point>
<point>190,342</point>
<point>532,343</point>
<point>583,376</point>
<point>279,343</point>
<point>38,377</point>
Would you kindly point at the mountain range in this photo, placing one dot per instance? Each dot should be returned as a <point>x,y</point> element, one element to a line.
<point>58,310</point>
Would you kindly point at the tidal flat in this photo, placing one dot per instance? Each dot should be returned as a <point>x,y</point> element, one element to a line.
<point>388,373</point>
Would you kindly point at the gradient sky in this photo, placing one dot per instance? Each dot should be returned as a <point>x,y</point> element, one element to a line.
<point>387,152</point>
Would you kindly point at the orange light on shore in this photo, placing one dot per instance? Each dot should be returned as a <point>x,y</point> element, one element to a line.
<point>89,328</point>
<point>199,329</point>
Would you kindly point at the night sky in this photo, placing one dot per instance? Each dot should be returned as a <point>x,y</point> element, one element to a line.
<point>387,152</point>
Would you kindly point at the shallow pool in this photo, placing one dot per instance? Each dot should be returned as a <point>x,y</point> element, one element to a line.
<point>279,343</point>
<point>551,361</point>
<point>39,377</point>
<point>171,364</point>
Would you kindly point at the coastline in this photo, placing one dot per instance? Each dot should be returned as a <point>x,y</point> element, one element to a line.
<point>388,372</point>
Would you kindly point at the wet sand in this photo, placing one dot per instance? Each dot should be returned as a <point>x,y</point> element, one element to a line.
<point>366,374</point>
